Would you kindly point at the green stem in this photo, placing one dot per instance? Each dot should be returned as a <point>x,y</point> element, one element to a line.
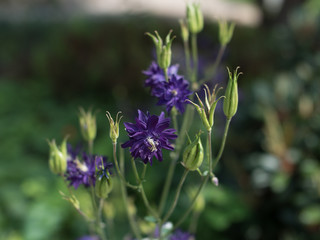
<point>226,129</point>
<point>187,212</point>
<point>174,204</point>
<point>187,55</point>
<point>124,194</point>
<point>194,57</point>
<point>215,65</point>
<point>90,146</point>
<point>143,194</point>
<point>210,151</point>
<point>165,70</point>
<point>144,172</point>
<point>99,229</point>
<point>188,117</point>
<point>122,178</point>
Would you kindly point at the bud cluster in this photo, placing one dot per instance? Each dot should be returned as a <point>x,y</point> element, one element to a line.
<point>206,110</point>
<point>58,157</point>
<point>163,49</point>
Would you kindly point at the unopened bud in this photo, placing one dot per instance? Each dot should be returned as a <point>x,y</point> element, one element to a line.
<point>58,157</point>
<point>184,30</point>
<point>193,154</point>
<point>88,125</point>
<point>114,126</point>
<point>225,32</point>
<point>163,50</point>
<point>103,186</point>
<point>230,104</point>
<point>194,18</point>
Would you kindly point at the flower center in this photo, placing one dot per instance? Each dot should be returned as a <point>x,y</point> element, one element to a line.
<point>83,167</point>
<point>153,144</point>
<point>174,92</point>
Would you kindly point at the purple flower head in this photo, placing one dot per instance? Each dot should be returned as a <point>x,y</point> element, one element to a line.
<point>173,93</point>
<point>89,238</point>
<point>148,136</point>
<point>81,168</point>
<point>179,235</point>
<point>155,75</point>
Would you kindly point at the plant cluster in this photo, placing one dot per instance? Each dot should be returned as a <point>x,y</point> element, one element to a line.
<point>149,135</point>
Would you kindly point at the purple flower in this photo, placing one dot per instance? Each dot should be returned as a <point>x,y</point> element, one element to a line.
<point>148,136</point>
<point>173,93</point>
<point>81,168</point>
<point>179,235</point>
<point>155,75</point>
<point>88,238</point>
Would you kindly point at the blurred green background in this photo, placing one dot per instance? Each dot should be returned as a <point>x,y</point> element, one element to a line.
<point>270,171</point>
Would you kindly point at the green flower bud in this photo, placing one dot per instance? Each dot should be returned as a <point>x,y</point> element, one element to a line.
<point>58,157</point>
<point>103,186</point>
<point>88,125</point>
<point>163,51</point>
<point>194,18</point>
<point>230,104</point>
<point>193,154</point>
<point>184,30</point>
<point>206,110</point>
<point>114,126</point>
<point>225,32</point>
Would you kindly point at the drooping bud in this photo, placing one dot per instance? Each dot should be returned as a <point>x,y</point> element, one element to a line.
<point>193,154</point>
<point>225,32</point>
<point>194,18</point>
<point>184,30</point>
<point>206,110</point>
<point>163,50</point>
<point>88,125</point>
<point>230,104</point>
<point>58,157</point>
<point>103,185</point>
<point>114,126</point>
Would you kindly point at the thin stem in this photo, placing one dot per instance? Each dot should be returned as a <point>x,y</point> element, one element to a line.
<point>124,194</point>
<point>187,57</point>
<point>165,70</point>
<point>210,151</point>
<point>174,204</point>
<point>143,194</point>
<point>226,129</point>
<point>215,65</point>
<point>90,146</point>
<point>194,57</point>
<point>185,215</point>
<point>122,178</point>
<point>175,122</point>
<point>194,222</point>
<point>144,171</point>
<point>188,117</point>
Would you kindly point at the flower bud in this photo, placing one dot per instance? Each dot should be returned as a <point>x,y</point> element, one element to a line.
<point>184,30</point>
<point>230,104</point>
<point>58,157</point>
<point>104,185</point>
<point>193,154</point>
<point>194,18</point>
<point>225,32</point>
<point>114,126</point>
<point>163,50</point>
<point>88,125</point>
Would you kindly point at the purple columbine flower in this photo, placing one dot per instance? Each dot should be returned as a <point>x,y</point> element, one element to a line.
<point>89,238</point>
<point>155,74</point>
<point>81,168</point>
<point>173,93</point>
<point>148,136</point>
<point>179,235</point>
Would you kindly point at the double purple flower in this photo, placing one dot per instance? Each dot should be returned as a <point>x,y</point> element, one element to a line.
<point>148,136</point>
<point>81,167</point>
<point>172,93</point>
